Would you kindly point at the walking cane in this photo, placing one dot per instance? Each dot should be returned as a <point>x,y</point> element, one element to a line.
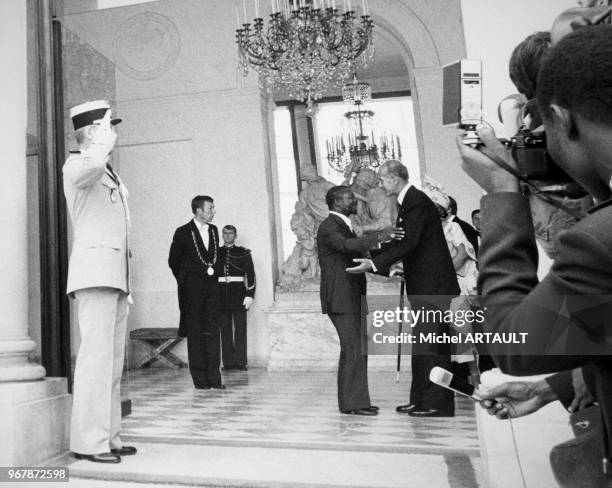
<point>401,323</point>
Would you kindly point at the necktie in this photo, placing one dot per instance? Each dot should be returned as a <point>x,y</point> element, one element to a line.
<point>112,174</point>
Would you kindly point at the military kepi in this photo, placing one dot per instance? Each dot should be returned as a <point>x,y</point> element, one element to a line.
<point>90,113</point>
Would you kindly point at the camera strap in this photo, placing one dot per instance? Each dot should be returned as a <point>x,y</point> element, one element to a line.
<point>542,195</point>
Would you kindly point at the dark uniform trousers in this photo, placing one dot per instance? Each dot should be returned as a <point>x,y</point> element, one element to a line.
<point>236,281</point>
<point>233,325</point>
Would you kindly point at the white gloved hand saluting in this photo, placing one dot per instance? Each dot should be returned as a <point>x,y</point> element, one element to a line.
<point>105,135</point>
<point>103,140</point>
<point>247,302</point>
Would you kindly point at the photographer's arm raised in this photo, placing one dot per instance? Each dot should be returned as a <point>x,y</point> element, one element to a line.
<point>480,163</point>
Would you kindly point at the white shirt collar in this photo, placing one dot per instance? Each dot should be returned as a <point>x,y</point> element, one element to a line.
<point>344,218</point>
<point>200,226</point>
<point>402,194</point>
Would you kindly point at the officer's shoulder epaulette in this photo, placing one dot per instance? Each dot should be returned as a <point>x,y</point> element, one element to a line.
<point>240,251</point>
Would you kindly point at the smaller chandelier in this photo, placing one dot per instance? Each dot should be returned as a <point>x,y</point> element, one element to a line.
<point>355,150</point>
<point>307,47</point>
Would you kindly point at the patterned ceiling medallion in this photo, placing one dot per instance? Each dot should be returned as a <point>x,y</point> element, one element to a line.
<point>146,45</point>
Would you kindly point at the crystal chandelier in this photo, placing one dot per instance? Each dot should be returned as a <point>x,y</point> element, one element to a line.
<point>307,46</point>
<point>354,149</point>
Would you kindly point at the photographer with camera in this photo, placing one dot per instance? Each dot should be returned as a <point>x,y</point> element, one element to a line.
<point>524,122</point>
<point>574,97</point>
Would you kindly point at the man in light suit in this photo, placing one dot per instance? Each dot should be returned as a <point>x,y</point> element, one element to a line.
<point>341,295</point>
<point>98,278</point>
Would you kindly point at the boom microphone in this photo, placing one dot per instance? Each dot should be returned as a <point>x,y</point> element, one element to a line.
<point>446,379</point>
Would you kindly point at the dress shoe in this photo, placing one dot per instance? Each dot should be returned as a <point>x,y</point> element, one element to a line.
<point>202,387</point>
<point>405,408</point>
<point>125,451</point>
<point>105,457</point>
<point>228,368</point>
<point>218,387</point>
<point>361,411</point>
<point>430,412</point>
<point>374,408</point>
<point>242,368</point>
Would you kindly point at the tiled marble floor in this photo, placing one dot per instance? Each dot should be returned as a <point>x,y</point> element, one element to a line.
<point>289,410</point>
<point>281,430</point>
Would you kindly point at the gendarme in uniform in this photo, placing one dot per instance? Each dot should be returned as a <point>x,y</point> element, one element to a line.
<point>98,278</point>
<point>236,281</point>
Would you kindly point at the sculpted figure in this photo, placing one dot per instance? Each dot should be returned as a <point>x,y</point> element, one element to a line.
<point>302,268</point>
<point>375,209</point>
<point>312,198</point>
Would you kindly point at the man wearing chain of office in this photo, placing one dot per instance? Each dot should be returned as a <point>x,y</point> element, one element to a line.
<point>193,257</point>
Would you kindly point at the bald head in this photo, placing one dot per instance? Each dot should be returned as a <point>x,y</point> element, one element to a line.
<point>394,167</point>
<point>393,176</point>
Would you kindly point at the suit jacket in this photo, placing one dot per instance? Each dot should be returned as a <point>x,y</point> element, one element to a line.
<point>508,280</point>
<point>470,233</point>
<point>97,205</point>
<point>187,266</point>
<point>428,267</point>
<point>337,245</point>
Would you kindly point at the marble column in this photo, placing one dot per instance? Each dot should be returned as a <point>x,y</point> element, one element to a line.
<point>34,410</point>
<point>15,344</point>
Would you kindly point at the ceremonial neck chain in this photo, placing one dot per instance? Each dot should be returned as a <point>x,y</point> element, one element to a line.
<point>210,269</point>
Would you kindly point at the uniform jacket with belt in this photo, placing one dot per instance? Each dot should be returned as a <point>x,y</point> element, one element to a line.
<point>236,277</point>
<point>98,209</point>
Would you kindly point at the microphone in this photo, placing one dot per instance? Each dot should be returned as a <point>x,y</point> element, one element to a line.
<point>446,379</point>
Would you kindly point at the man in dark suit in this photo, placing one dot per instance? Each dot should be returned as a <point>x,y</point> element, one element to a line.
<point>476,221</point>
<point>573,96</point>
<point>193,257</point>
<point>471,234</point>
<point>430,283</point>
<point>341,296</point>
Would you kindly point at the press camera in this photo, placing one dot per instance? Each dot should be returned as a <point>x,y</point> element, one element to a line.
<point>462,100</point>
<point>462,107</point>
